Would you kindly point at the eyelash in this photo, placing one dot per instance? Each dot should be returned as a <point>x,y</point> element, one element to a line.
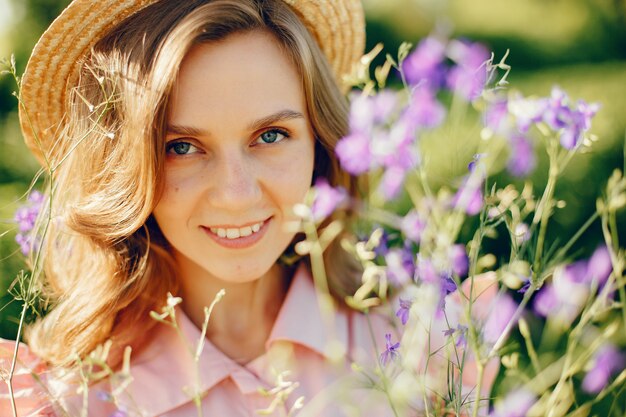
<point>282,132</point>
<point>170,145</point>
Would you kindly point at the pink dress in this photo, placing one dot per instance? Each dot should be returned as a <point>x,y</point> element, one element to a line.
<point>296,373</point>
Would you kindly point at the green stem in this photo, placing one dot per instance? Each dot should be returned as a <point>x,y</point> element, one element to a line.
<point>14,360</point>
<point>614,229</point>
<point>544,211</point>
<point>532,353</point>
<point>479,386</point>
<point>617,266</point>
<point>382,372</point>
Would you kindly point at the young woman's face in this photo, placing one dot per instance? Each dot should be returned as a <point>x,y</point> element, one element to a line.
<point>240,154</point>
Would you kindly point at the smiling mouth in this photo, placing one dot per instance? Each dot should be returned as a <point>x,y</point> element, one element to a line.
<point>233,233</point>
<point>238,238</point>
<point>236,233</point>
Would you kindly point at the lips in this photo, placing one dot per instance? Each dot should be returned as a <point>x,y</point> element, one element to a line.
<point>240,237</point>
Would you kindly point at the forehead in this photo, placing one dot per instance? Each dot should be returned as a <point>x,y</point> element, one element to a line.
<point>245,74</point>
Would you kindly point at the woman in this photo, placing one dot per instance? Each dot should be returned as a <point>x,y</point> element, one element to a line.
<point>178,136</point>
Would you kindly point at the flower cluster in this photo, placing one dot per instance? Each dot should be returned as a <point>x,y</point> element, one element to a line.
<point>25,217</point>
<point>513,116</point>
<point>381,136</point>
<point>459,308</point>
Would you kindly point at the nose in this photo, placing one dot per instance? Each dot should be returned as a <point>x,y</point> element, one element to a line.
<point>235,183</point>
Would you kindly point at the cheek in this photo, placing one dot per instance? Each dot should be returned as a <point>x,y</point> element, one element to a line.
<point>294,176</point>
<point>176,195</point>
<point>181,183</point>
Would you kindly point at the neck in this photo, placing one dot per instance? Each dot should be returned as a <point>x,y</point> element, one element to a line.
<point>242,321</point>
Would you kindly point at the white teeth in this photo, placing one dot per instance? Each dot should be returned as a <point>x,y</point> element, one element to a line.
<point>237,233</point>
<point>232,233</point>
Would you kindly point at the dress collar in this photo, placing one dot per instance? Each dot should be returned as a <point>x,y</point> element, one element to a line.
<point>168,358</point>
<point>301,321</point>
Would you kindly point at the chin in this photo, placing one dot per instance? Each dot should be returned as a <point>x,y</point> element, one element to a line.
<point>240,274</point>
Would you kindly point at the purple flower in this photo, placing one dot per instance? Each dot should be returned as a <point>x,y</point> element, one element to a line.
<point>119,413</point>
<point>327,199</point>
<point>469,197</point>
<point>522,157</point>
<point>383,248</point>
<point>575,272</point>
<point>497,117</point>
<point>425,63</point>
<point>586,111</point>
<point>354,153</point>
<point>600,267</point>
<point>516,403</point>
<point>424,112</point>
<point>412,226</point>
<point>26,215</point>
<point>25,243</point>
<point>467,83</point>
<point>448,286</point>
<point>526,111</point>
<point>458,260</point>
<point>36,198</point>
<point>403,311</point>
<point>557,113</point>
<point>570,136</point>
<point>469,55</point>
<point>400,266</point>
<point>391,351</point>
<point>425,271</point>
<point>392,182</point>
<point>449,332</point>
<point>26,218</point>
<point>502,311</point>
<point>396,148</point>
<point>565,296</point>
<point>461,339</point>
<point>469,76</point>
<point>384,104</point>
<point>362,114</point>
<point>546,301</point>
<point>606,362</point>
<point>572,123</point>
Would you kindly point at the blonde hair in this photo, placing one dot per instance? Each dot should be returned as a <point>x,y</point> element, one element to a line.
<point>106,264</point>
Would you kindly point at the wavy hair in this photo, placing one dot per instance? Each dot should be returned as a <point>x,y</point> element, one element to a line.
<point>106,264</point>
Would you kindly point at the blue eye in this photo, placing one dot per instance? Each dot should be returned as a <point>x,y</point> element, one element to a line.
<point>180,148</point>
<point>272,136</point>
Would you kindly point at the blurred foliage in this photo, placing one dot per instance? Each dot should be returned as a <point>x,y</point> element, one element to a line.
<point>577,44</point>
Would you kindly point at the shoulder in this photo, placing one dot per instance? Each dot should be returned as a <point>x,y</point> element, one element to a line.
<point>27,381</point>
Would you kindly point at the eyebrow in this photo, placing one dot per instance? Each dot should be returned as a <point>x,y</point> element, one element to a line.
<point>280,116</point>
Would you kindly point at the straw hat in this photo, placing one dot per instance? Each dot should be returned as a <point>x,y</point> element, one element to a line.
<point>53,68</point>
